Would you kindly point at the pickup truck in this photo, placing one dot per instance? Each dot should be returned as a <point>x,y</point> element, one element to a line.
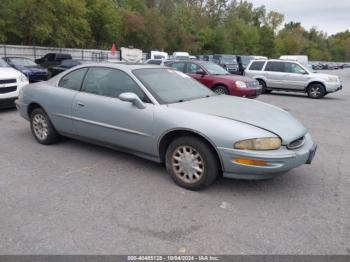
<point>52,59</point>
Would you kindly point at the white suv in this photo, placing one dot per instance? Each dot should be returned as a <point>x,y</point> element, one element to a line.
<point>292,76</point>
<point>11,82</point>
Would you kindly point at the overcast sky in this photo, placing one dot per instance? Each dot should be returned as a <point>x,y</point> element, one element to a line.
<point>331,16</point>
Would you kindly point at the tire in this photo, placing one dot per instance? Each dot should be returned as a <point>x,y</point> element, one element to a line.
<point>221,90</point>
<point>264,89</point>
<point>198,167</point>
<point>42,128</point>
<point>316,91</point>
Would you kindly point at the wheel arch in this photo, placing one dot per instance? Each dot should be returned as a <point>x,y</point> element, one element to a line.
<point>315,82</point>
<point>32,106</point>
<point>170,135</point>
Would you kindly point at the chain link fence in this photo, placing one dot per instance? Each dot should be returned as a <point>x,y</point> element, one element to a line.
<point>34,52</point>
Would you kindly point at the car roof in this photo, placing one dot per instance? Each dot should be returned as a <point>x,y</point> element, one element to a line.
<point>124,66</point>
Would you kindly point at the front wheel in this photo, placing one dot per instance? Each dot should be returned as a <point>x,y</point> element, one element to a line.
<point>42,128</point>
<point>221,90</point>
<point>316,91</point>
<point>264,89</point>
<point>191,163</point>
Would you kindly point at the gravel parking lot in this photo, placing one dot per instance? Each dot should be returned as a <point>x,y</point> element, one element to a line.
<point>77,198</point>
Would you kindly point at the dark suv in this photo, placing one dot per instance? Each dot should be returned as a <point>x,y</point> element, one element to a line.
<point>228,62</point>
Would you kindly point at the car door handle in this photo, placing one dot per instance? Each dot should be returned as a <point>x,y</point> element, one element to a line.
<point>80,104</point>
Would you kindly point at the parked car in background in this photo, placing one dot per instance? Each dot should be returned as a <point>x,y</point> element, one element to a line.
<point>52,59</point>
<point>64,65</point>
<point>175,120</point>
<point>155,62</point>
<point>218,79</point>
<point>11,82</point>
<point>33,71</point>
<point>285,75</point>
<point>228,62</point>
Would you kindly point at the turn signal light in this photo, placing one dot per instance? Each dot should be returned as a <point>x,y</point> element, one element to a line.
<point>250,162</point>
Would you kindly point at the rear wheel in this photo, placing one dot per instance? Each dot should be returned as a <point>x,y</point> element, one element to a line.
<point>316,91</point>
<point>191,163</point>
<point>42,128</point>
<point>221,90</point>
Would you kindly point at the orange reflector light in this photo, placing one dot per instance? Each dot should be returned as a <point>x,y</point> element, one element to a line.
<point>250,162</point>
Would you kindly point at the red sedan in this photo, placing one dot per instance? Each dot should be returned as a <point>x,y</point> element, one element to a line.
<point>218,79</point>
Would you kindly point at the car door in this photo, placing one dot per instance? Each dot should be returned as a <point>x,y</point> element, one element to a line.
<point>98,113</point>
<point>60,108</point>
<point>297,77</point>
<point>275,74</point>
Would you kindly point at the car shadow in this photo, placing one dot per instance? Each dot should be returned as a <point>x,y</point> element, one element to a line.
<point>300,95</point>
<point>8,109</point>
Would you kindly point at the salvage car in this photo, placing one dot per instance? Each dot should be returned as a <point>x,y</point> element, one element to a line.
<point>33,71</point>
<point>218,79</point>
<point>292,76</point>
<point>164,115</point>
<point>11,82</point>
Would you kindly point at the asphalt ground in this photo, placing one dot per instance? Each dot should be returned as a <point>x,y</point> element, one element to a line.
<point>77,198</point>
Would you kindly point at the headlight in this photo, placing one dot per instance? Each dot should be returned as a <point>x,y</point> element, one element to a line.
<point>241,84</point>
<point>268,143</point>
<point>332,79</point>
<point>23,78</point>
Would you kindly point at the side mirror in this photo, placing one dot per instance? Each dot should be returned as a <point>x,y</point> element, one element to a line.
<point>132,98</point>
<point>201,72</point>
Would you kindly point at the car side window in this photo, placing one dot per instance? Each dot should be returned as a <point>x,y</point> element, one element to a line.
<point>294,68</point>
<point>73,80</point>
<point>179,67</point>
<point>275,66</point>
<point>257,65</point>
<point>193,68</point>
<point>111,82</point>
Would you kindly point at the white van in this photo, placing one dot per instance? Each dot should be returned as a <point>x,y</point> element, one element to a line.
<point>181,56</point>
<point>158,55</point>
<point>302,59</point>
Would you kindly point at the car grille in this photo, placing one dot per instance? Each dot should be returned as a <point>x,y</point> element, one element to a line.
<point>4,90</point>
<point>7,81</point>
<point>297,143</point>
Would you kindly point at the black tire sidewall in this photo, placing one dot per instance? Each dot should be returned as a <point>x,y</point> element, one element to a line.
<point>52,136</point>
<point>211,167</point>
<point>263,86</point>
<point>222,88</point>
<point>322,90</point>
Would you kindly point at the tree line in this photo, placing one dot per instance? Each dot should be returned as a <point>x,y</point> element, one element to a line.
<point>196,26</point>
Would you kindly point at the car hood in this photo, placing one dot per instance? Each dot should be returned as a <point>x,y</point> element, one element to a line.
<point>252,112</point>
<point>236,78</point>
<point>323,76</point>
<point>9,72</point>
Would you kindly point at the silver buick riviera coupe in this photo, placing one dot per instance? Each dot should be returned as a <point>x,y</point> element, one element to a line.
<point>163,115</point>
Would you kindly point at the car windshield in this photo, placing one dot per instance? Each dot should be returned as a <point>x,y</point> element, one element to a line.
<point>214,69</point>
<point>22,62</point>
<point>3,63</point>
<point>171,86</point>
<point>226,60</point>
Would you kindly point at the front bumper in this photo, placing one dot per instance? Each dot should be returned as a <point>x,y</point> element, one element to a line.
<point>278,161</point>
<point>333,87</point>
<point>247,92</point>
